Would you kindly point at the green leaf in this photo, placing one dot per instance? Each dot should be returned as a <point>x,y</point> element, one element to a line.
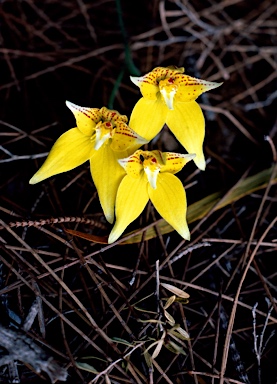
<point>179,332</point>
<point>148,360</point>
<point>144,310</point>
<point>170,301</point>
<point>173,347</point>
<point>86,367</point>
<point>121,341</point>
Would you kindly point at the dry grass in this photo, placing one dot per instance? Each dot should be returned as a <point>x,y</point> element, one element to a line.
<point>72,297</point>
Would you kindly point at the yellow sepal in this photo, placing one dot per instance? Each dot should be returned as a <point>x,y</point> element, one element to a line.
<point>148,89</point>
<point>174,162</point>
<point>107,175</point>
<point>132,197</point>
<point>133,164</point>
<point>169,199</point>
<point>187,123</point>
<point>69,151</point>
<point>189,88</point>
<point>148,117</point>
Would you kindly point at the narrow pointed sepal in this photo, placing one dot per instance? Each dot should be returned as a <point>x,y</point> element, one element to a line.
<point>132,197</point>
<point>107,175</point>
<point>148,117</point>
<point>170,201</point>
<point>187,123</point>
<point>69,151</point>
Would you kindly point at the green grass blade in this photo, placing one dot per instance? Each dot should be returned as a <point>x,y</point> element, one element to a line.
<point>217,200</point>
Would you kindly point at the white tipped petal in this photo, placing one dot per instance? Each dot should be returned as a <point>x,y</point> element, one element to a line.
<point>136,80</point>
<point>86,118</point>
<point>189,156</point>
<point>76,109</point>
<point>73,107</point>
<point>123,162</point>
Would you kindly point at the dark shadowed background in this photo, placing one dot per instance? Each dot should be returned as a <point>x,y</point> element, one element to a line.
<point>84,51</point>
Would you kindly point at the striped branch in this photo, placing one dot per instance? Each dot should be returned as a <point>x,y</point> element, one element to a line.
<point>67,219</point>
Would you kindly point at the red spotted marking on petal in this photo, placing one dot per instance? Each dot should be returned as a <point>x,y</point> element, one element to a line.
<point>126,134</point>
<point>87,115</point>
<point>147,81</point>
<point>83,111</point>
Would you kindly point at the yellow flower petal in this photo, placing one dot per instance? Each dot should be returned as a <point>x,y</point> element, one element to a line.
<point>147,88</point>
<point>69,151</point>
<point>107,175</point>
<point>187,123</point>
<point>174,162</point>
<point>188,88</point>
<point>86,118</point>
<point>148,117</point>
<point>169,199</point>
<point>133,164</point>
<point>125,138</point>
<point>132,197</point>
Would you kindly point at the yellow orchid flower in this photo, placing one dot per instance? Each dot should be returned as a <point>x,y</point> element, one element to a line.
<point>150,175</point>
<point>169,97</point>
<point>101,136</point>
